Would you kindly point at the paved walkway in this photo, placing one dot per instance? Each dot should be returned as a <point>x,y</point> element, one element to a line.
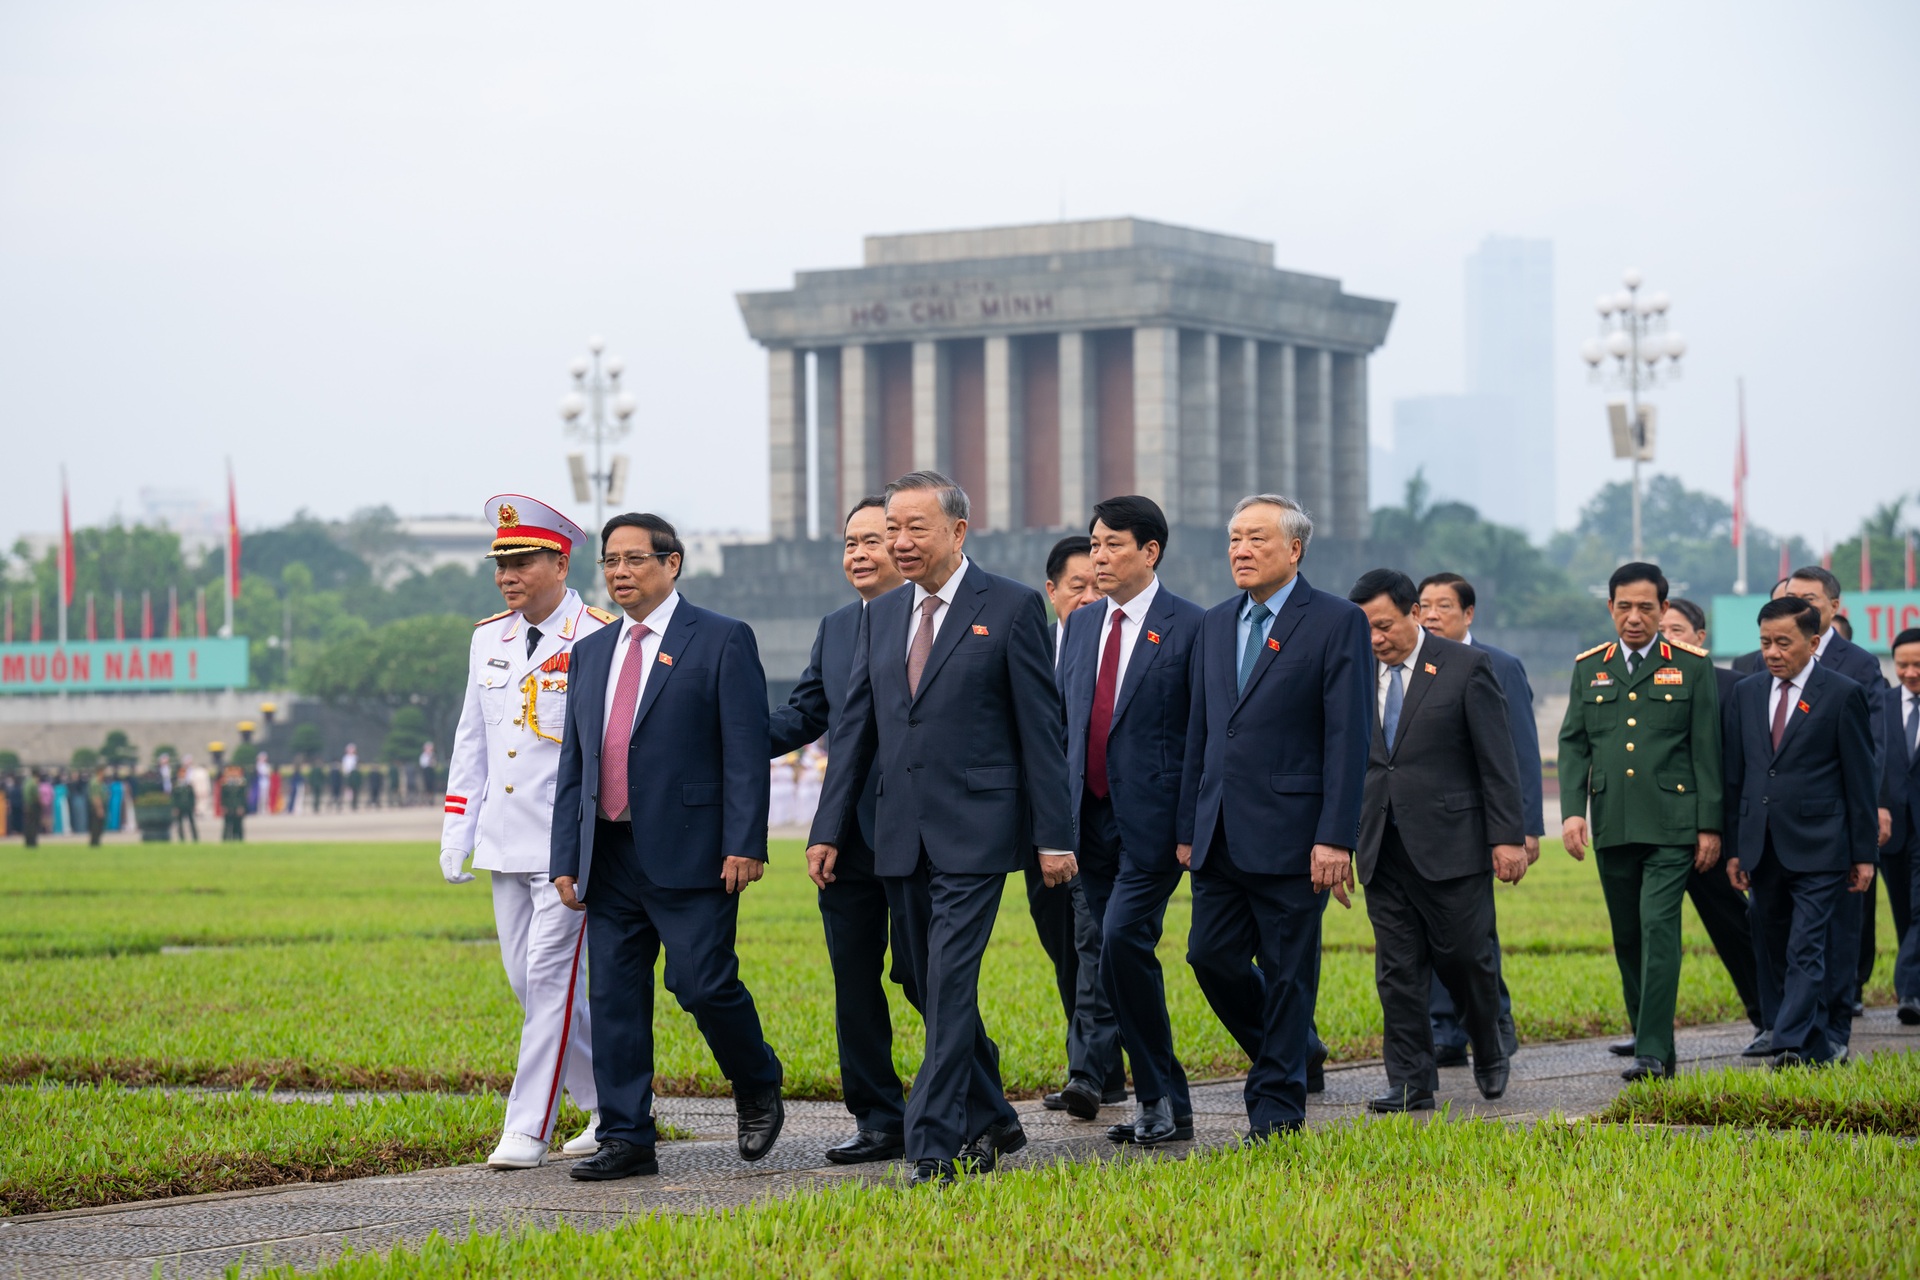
<point>309,1223</point>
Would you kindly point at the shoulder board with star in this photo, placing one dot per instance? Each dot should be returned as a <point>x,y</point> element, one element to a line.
<point>601,616</point>
<point>495,618</point>
<point>1693,649</point>
<point>1582,657</point>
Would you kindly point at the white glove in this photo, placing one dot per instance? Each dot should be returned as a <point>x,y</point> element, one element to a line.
<point>450,860</point>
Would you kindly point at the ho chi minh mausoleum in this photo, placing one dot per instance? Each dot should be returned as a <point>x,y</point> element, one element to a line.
<point>1046,367</point>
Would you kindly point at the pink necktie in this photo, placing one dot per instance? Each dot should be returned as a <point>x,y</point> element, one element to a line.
<point>922,647</point>
<point>613,750</point>
<point>1780,714</point>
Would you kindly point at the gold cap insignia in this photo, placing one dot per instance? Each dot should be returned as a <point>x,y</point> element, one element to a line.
<point>509,516</point>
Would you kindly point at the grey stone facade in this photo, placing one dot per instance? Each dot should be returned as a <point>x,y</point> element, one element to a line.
<point>1046,366</point>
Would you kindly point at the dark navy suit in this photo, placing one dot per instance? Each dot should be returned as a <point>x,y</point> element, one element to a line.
<point>1127,865</point>
<point>1518,691</point>
<point>1267,775</point>
<point>1799,818</point>
<point>1853,937</point>
<point>1900,856</point>
<point>853,908</point>
<point>697,786</point>
<point>973,776</point>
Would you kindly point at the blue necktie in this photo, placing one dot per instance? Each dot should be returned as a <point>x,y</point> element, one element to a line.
<point>1255,634</point>
<point>1396,697</point>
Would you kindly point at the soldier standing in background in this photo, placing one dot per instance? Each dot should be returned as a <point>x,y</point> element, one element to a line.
<point>500,783</point>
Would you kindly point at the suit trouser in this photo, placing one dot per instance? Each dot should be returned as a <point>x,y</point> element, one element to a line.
<point>1424,927</point>
<point>1443,1011</point>
<point>544,947</point>
<point>1054,923</point>
<point>1724,912</point>
<point>1843,953</point>
<point>1901,869</point>
<point>855,916</point>
<point>946,919</point>
<point>630,920</point>
<point>1794,913</point>
<point>1136,988</point>
<point>1093,1036</point>
<point>1644,885</point>
<point>1239,915</point>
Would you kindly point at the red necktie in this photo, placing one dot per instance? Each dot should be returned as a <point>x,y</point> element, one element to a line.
<point>613,749</point>
<point>1104,690</point>
<point>1780,713</point>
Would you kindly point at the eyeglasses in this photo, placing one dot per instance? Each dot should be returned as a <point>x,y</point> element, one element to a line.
<point>636,561</point>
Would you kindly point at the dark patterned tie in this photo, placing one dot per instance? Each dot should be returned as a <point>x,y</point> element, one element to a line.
<point>533,640</point>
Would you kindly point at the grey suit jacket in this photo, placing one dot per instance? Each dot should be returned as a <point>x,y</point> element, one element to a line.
<point>1449,782</point>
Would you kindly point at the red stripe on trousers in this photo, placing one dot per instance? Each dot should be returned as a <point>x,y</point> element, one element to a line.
<point>566,1028</point>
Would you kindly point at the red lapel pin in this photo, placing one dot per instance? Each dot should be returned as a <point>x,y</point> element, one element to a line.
<point>1153,637</point>
<point>1804,708</point>
<point>979,630</point>
<point>1430,668</point>
<point>666,659</point>
<point>1273,644</point>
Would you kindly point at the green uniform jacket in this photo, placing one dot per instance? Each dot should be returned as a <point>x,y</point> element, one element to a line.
<point>1645,748</point>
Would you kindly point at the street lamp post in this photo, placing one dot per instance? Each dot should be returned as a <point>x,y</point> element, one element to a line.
<point>596,390</point>
<point>1634,333</point>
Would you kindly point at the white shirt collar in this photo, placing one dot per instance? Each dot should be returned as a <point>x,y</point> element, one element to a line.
<point>947,589</point>
<point>1820,650</point>
<point>1136,608</point>
<point>662,614</point>
<point>1798,682</point>
<point>1419,642</point>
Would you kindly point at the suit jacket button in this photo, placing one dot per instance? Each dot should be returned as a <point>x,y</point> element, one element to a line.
<point>512,754</point>
<point>1770,773</point>
<point>1389,768</point>
<point>913,724</point>
<point>1229,733</point>
<point>1763,799</point>
<point>509,788</point>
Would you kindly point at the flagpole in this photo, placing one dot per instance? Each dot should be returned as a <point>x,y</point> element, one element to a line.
<point>233,551</point>
<point>1740,499</point>
<point>66,555</point>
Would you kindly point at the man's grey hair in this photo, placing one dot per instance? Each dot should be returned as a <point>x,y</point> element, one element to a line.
<point>953,499</point>
<point>1294,520</point>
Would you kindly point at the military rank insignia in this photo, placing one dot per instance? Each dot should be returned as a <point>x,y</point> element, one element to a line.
<point>1669,675</point>
<point>1600,679</point>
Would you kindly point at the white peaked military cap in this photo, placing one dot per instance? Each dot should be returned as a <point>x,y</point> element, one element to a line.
<point>522,524</point>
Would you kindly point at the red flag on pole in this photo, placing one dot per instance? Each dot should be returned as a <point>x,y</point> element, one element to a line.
<point>146,615</point>
<point>33,634</point>
<point>1866,561</point>
<point>233,540</point>
<point>1740,480</point>
<point>1786,562</point>
<point>66,545</point>
<point>1910,583</point>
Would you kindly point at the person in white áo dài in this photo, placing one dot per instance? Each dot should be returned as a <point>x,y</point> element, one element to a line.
<point>500,780</point>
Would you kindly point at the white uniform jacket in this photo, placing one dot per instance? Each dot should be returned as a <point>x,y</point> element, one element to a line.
<point>506,752</point>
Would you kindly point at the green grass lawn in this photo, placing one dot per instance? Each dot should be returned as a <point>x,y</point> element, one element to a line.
<point>1397,1198</point>
<point>1880,1094</point>
<point>68,1147</point>
<point>344,966</point>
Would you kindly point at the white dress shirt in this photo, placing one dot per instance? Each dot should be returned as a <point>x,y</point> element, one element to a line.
<point>1385,678</point>
<point>1644,650</point>
<point>1135,613</point>
<point>649,653</point>
<point>1820,649</point>
<point>1908,700</point>
<point>920,594</point>
<point>1798,685</point>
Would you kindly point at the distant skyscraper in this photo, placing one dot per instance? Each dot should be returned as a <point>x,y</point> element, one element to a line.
<point>1494,446</point>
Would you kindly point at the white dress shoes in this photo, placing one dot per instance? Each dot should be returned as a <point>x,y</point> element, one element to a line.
<point>518,1151</point>
<point>588,1140</point>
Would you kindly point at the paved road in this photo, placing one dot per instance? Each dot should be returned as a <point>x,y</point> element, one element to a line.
<point>309,1223</point>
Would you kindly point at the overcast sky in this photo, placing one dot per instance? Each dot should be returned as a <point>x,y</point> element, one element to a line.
<point>354,245</point>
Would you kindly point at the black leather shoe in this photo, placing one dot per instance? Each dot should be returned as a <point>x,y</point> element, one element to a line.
<point>1316,1071</point>
<point>1402,1098</point>
<point>617,1158</point>
<point>1647,1069</point>
<point>1859,1009</point>
<point>1113,1094</point>
<point>1621,1048</point>
<point>1081,1099</point>
<point>1276,1131</point>
<point>867,1146</point>
<point>1761,1046</point>
<point>1155,1123</point>
<point>1509,1036</point>
<point>1909,1012</point>
<point>1056,1101</point>
<point>1002,1138</point>
<point>1450,1055</point>
<point>1841,1057</point>
<point>1492,1079</point>
<point>761,1118</point>
<point>932,1173</point>
<point>1786,1059</point>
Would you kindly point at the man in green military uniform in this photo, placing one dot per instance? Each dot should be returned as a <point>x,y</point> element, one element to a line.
<point>1641,744</point>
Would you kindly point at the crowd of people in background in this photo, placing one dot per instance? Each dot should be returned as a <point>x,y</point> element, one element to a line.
<point>37,802</point>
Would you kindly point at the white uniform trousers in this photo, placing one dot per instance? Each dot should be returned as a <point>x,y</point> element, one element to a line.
<point>544,947</point>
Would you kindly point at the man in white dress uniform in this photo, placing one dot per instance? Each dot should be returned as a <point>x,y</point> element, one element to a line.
<point>500,780</point>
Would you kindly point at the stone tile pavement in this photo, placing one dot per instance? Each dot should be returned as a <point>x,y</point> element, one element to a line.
<point>307,1224</point>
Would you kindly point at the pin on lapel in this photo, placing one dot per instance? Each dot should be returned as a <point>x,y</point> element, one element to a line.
<point>1153,637</point>
<point>1430,668</point>
<point>1804,708</point>
<point>979,630</point>
<point>1273,644</point>
<point>666,659</point>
